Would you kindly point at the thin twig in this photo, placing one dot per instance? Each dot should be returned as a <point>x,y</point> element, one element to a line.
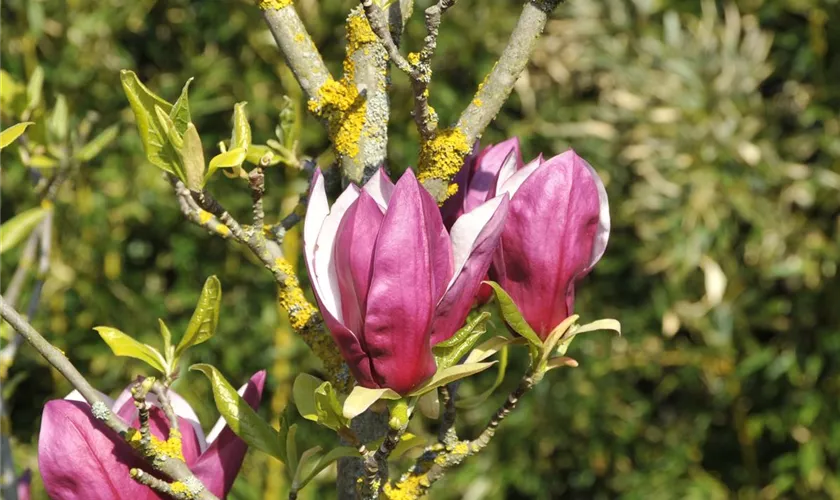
<point>165,404</point>
<point>446,433</point>
<point>175,469</point>
<point>379,24</point>
<point>256,180</point>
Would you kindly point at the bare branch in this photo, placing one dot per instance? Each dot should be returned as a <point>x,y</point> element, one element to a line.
<point>296,45</point>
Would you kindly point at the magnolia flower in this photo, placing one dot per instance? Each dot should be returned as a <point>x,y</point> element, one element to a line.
<point>557,227</point>
<point>389,279</point>
<point>81,459</point>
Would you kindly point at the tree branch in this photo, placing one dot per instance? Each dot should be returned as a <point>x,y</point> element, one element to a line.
<point>175,469</point>
<point>441,157</point>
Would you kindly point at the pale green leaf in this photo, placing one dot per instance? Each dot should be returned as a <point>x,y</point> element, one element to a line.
<point>324,461</point>
<point>303,463</point>
<point>58,122</point>
<point>35,88</point>
<point>329,409</point>
<point>192,156</point>
<point>450,351</point>
<point>180,112</point>
<point>512,315</point>
<point>601,324</point>
<point>166,335</point>
<point>41,161</point>
<point>490,347</point>
<point>14,230</point>
<point>361,398</point>
<point>291,449</point>
<point>558,334</point>
<point>256,153</point>
<point>240,417</point>
<point>560,361</point>
<point>407,442</point>
<point>123,345</point>
<point>429,405</point>
<point>9,135</point>
<point>228,159</point>
<point>153,133</point>
<point>90,150</point>
<point>477,400</point>
<point>303,391</point>
<point>449,375</point>
<point>241,135</point>
<point>205,318</point>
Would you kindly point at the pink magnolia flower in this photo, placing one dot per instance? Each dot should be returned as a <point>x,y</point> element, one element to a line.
<point>389,279</point>
<point>81,459</point>
<point>557,227</point>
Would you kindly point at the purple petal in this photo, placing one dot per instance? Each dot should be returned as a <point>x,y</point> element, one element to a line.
<point>505,159</point>
<point>81,459</point>
<point>548,239</point>
<point>218,466</point>
<point>439,243</point>
<point>475,237</point>
<point>400,300</point>
<point>353,254</point>
<point>453,207</point>
<point>24,485</point>
<point>380,188</point>
<point>490,163</point>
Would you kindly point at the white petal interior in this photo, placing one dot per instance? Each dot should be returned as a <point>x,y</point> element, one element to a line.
<point>512,184</point>
<point>465,231</point>
<point>324,262</point>
<point>603,235</point>
<point>380,188</point>
<point>507,170</point>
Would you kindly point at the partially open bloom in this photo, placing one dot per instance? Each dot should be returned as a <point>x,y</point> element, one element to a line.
<point>389,279</point>
<point>81,459</point>
<point>557,229</point>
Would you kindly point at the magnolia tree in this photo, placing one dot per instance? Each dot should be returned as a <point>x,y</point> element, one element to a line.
<point>405,273</point>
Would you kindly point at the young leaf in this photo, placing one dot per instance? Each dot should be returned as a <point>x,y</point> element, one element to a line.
<point>329,409</point>
<point>305,457</point>
<point>14,230</point>
<point>166,335</point>
<point>228,159</point>
<point>558,334</point>
<point>123,345</point>
<point>303,391</point>
<point>180,112</point>
<point>58,121</point>
<point>90,150</point>
<point>239,415</point>
<point>241,135</point>
<point>324,461</point>
<point>476,401</point>
<point>256,152</point>
<point>601,324</point>
<point>449,375</point>
<point>560,361</point>
<point>153,135</point>
<point>41,161</point>
<point>429,405</point>
<point>512,315</point>
<point>407,442</point>
<point>192,156</point>
<point>450,351</point>
<point>35,88</point>
<point>490,347</point>
<point>205,318</point>
<point>361,398</point>
<point>291,450</point>
<point>9,135</point>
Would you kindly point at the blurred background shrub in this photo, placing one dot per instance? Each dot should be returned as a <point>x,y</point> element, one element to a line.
<point>714,126</point>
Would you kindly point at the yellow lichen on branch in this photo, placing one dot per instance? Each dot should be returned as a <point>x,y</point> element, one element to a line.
<point>274,4</point>
<point>292,299</point>
<point>442,156</point>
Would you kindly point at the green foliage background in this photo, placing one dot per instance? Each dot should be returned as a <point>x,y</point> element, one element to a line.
<point>715,128</point>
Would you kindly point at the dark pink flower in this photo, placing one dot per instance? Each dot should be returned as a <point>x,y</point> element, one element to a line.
<point>389,279</point>
<point>81,459</point>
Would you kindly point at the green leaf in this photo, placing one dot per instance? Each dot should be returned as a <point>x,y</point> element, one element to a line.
<point>291,450</point>
<point>303,463</point>
<point>574,331</point>
<point>205,318</point>
<point>450,351</point>
<point>256,153</point>
<point>153,133</point>
<point>166,335</point>
<point>558,334</point>
<point>180,112</point>
<point>477,400</point>
<point>14,230</point>
<point>329,409</point>
<point>192,156</point>
<point>449,375</point>
<point>303,390</point>
<point>241,135</point>
<point>324,461</point>
<point>228,159</point>
<point>9,135</point>
<point>560,361</point>
<point>512,315</point>
<point>35,88</point>
<point>176,140</point>
<point>361,398</point>
<point>90,150</point>
<point>123,345</point>
<point>429,405</point>
<point>490,347</point>
<point>41,161</point>
<point>58,122</point>
<point>240,417</point>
